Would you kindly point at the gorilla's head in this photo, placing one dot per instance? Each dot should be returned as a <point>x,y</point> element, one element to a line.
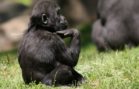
<point>47,14</point>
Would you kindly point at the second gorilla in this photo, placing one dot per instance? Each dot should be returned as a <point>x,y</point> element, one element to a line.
<point>117,24</point>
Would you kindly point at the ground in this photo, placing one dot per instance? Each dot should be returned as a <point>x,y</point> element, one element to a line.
<point>111,70</point>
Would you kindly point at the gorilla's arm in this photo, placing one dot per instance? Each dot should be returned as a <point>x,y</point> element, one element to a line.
<point>71,53</point>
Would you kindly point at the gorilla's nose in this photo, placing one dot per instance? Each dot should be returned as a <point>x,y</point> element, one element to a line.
<point>64,25</point>
<point>63,22</point>
<point>62,19</point>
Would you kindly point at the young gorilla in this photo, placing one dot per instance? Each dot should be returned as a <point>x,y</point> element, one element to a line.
<point>117,24</point>
<point>43,55</point>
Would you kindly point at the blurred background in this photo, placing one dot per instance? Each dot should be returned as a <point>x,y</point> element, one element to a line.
<point>14,17</point>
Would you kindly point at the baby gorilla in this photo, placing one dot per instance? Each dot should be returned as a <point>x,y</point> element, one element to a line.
<point>43,55</point>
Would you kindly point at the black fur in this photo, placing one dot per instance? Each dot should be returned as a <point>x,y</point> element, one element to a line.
<point>117,24</point>
<point>43,55</point>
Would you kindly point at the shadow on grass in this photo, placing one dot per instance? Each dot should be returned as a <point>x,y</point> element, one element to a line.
<point>8,58</point>
<point>12,52</point>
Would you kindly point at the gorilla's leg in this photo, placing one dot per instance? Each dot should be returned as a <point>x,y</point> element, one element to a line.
<point>32,75</point>
<point>116,34</point>
<point>98,38</point>
<point>112,35</point>
<point>62,75</point>
<point>26,78</point>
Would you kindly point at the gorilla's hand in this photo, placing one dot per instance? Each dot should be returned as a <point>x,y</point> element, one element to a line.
<point>68,33</point>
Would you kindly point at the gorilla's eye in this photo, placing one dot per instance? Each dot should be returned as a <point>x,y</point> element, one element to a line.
<point>44,18</point>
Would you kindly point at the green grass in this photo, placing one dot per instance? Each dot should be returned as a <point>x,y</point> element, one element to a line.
<point>113,70</point>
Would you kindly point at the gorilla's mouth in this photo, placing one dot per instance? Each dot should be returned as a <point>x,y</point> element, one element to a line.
<point>64,26</point>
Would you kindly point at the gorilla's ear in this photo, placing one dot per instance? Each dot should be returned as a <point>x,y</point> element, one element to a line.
<point>44,19</point>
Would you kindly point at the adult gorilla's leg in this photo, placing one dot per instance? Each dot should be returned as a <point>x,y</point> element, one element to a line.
<point>97,36</point>
<point>112,35</point>
<point>116,33</point>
